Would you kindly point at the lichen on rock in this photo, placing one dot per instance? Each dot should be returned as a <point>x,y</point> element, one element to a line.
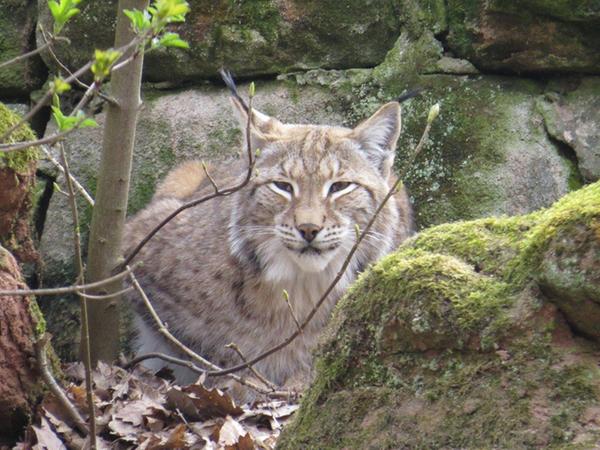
<point>471,335</point>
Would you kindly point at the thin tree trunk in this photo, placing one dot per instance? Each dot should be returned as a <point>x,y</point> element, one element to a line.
<point>108,218</point>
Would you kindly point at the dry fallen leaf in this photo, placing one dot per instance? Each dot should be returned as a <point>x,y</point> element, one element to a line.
<point>232,436</point>
<point>46,437</point>
<point>138,410</point>
<point>198,403</point>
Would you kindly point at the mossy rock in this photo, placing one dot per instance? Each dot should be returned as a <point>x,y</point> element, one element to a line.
<point>262,37</point>
<point>467,337</point>
<point>17,180</point>
<point>532,36</point>
<point>17,28</point>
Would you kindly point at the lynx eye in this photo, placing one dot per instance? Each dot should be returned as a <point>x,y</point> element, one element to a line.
<point>287,187</point>
<point>282,188</point>
<point>339,186</point>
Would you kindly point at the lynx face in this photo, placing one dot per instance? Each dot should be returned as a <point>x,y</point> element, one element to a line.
<point>315,184</point>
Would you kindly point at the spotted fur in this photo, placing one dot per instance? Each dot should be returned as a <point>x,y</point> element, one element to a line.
<point>217,272</point>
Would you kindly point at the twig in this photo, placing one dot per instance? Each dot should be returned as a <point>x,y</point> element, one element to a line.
<point>73,77</point>
<point>66,70</point>
<point>168,358</point>
<point>256,373</point>
<point>194,368</point>
<point>39,105</point>
<point>40,49</point>
<point>68,289</point>
<point>76,183</point>
<point>87,96</point>
<point>162,329</point>
<point>192,203</point>
<point>106,296</point>
<point>286,296</point>
<point>52,139</point>
<point>85,333</point>
<point>43,367</point>
<point>210,178</point>
<point>342,270</point>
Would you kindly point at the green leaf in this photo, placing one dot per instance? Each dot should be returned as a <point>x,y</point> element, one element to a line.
<point>54,8</point>
<point>172,40</point>
<point>62,11</point>
<point>103,62</point>
<point>85,122</point>
<point>88,123</point>
<point>59,86</point>
<point>167,11</point>
<point>140,20</point>
<point>65,123</point>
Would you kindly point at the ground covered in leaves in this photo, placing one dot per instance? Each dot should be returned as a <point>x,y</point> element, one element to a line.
<point>139,410</point>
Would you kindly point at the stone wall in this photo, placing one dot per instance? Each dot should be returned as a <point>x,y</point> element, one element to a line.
<point>519,89</point>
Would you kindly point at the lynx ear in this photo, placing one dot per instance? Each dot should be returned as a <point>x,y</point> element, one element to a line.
<point>263,128</point>
<point>378,136</point>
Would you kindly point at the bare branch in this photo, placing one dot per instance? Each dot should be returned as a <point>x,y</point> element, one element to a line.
<point>256,373</point>
<point>52,139</point>
<point>39,105</point>
<point>210,178</point>
<point>107,296</point>
<point>90,92</point>
<point>44,368</point>
<point>76,183</point>
<point>68,289</point>
<point>286,296</point>
<point>40,49</point>
<point>87,361</point>
<point>66,69</point>
<point>341,272</point>
<point>168,358</point>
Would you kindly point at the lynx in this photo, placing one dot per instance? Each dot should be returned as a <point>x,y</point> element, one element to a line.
<point>217,272</point>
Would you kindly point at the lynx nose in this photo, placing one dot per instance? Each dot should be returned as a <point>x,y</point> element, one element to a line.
<point>308,231</point>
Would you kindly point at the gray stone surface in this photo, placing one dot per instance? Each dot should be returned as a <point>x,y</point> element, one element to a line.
<point>17,26</point>
<point>573,117</point>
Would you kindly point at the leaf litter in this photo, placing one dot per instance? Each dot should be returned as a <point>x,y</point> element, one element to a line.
<point>138,410</point>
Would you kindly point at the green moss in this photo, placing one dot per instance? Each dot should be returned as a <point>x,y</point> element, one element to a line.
<point>468,145</point>
<point>19,161</point>
<point>453,340</point>
<point>581,207</point>
<point>38,319</point>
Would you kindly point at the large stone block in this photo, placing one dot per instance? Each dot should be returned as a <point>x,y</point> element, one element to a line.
<point>532,36</point>
<point>263,37</point>
<point>17,28</point>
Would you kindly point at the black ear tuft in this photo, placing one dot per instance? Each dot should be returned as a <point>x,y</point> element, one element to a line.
<point>407,95</point>
<point>230,83</point>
